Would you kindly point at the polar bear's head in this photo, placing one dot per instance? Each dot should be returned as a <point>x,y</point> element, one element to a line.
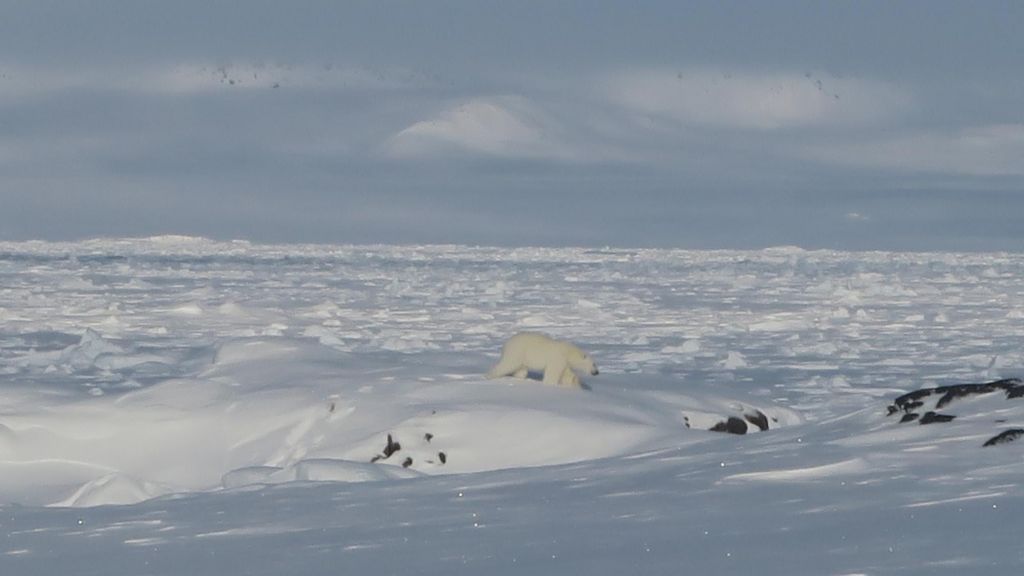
<point>580,360</point>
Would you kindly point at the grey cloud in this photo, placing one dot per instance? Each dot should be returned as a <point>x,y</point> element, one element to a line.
<point>697,124</point>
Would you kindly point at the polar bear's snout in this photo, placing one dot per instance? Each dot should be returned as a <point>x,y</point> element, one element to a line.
<point>594,372</point>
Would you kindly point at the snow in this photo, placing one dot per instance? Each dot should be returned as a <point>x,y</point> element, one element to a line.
<point>181,404</point>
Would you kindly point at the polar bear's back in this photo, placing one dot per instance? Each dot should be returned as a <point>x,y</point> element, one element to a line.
<point>528,343</point>
<point>537,350</point>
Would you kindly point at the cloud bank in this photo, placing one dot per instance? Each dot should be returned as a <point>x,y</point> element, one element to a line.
<point>505,127</point>
<point>669,124</point>
<point>984,151</point>
<point>755,101</point>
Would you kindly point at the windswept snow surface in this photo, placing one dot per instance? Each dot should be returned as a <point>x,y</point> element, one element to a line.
<point>178,405</point>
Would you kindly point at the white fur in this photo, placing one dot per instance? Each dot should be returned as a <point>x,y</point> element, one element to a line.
<point>531,351</point>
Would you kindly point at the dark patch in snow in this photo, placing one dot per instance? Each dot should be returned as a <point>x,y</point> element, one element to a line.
<point>390,448</point>
<point>737,425</point>
<point>954,392</point>
<point>902,402</point>
<point>758,419</point>
<point>733,426</point>
<point>911,403</point>
<point>1005,436</point>
<point>1013,387</point>
<point>932,417</point>
<point>416,450</point>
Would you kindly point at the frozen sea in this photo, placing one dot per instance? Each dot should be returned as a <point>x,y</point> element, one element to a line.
<point>178,405</point>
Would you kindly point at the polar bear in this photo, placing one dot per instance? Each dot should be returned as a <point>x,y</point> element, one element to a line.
<point>528,351</point>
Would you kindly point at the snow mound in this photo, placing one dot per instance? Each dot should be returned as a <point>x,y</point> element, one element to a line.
<point>316,470</point>
<point>113,489</point>
<point>278,410</point>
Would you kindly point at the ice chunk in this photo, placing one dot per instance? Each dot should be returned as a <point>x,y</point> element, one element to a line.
<point>734,360</point>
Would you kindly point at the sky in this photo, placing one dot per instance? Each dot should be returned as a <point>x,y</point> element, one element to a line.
<point>847,125</point>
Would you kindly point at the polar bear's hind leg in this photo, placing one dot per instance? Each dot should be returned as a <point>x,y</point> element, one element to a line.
<point>504,367</point>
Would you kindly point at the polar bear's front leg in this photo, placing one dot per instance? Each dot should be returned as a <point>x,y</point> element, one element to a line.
<point>522,372</point>
<point>553,372</point>
<point>569,378</point>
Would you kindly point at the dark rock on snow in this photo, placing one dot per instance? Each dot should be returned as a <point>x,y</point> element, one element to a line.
<point>1013,387</point>
<point>910,404</point>
<point>931,417</point>
<point>736,425</point>
<point>1005,436</point>
<point>758,419</point>
<point>733,426</point>
<point>390,448</point>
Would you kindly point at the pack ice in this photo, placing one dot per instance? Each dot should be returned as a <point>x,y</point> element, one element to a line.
<point>176,401</point>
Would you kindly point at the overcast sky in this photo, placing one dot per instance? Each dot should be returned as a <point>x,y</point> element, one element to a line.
<point>851,125</point>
